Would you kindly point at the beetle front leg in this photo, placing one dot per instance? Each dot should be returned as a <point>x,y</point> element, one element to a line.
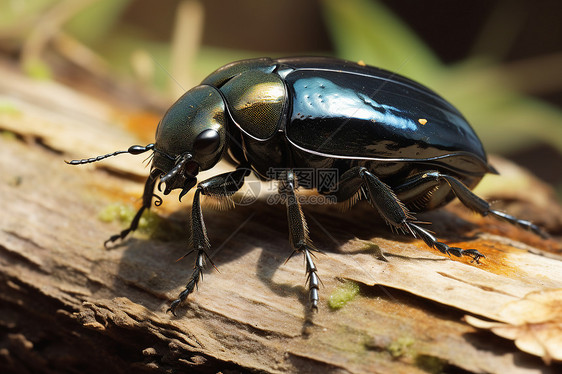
<point>298,235</point>
<point>223,185</point>
<point>395,213</point>
<point>147,196</point>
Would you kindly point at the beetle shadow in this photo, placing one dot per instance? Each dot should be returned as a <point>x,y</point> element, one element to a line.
<point>150,268</point>
<point>147,271</point>
<point>334,229</point>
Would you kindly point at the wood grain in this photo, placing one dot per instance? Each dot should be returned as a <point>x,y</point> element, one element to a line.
<point>70,305</point>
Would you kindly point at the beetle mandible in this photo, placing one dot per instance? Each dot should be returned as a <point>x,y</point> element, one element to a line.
<point>392,142</point>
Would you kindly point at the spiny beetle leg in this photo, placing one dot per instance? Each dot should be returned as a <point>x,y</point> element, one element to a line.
<point>147,196</point>
<point>312,278</point>
<point>383,198</point>
<point>200,244</point>
<point>432,242</point>
<point>526,225</point>
<point>479,205</point>
<point>196,276</point>
<point>222,185</point>
<point>298,235</point>
<point>123,234</point>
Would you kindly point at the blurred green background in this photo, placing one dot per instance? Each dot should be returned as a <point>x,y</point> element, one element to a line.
<point>498,61</point>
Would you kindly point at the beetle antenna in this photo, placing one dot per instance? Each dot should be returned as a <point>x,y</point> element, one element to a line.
<point>134,150</point>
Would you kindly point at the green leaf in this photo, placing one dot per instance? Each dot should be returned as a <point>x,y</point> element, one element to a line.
<point>93,23</point>
<point>366,30</point>
<point>503,118</point>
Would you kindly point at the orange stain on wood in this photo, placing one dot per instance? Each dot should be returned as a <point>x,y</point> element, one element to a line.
<point>143,124</point>
<point>496,260</point>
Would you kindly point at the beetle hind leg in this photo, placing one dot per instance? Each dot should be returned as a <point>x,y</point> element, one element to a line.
<point>432,242</point>
<point>394,212</point>
<point>433,179</point>
<point>481,206</point>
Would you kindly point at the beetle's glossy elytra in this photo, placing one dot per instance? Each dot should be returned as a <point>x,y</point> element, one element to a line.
<point>385,138</point>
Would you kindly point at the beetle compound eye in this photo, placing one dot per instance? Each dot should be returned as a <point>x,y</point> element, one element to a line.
<point>206,142</point>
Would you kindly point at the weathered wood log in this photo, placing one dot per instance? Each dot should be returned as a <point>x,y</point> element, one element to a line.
<point>70,305</point>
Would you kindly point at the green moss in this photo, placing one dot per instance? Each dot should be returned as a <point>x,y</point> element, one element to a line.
<point>400,346</point>
<point>38,69</point>
<point>8,135</point>
<point>149,222</point>
<point>116,212</point>
<point>343,294</point>
<point>344,338</point>
<point>7,107</point>
<point>124,214</point>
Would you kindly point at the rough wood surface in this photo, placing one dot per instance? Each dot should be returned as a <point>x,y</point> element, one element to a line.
<point>70,305</point>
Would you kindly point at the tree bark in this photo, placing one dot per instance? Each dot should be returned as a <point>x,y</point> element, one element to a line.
<point>70,305</point>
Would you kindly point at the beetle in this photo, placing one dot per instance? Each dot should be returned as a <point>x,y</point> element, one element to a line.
<point>389,140</point>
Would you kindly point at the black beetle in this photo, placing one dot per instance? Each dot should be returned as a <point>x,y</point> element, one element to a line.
<point>387,139</point>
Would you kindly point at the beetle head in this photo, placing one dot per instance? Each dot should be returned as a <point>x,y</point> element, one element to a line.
<point>190,137</point>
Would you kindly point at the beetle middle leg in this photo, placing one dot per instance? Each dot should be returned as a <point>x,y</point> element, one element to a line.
<point>389,206</point>
<point>222,186</point>
<point>298,235</point>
